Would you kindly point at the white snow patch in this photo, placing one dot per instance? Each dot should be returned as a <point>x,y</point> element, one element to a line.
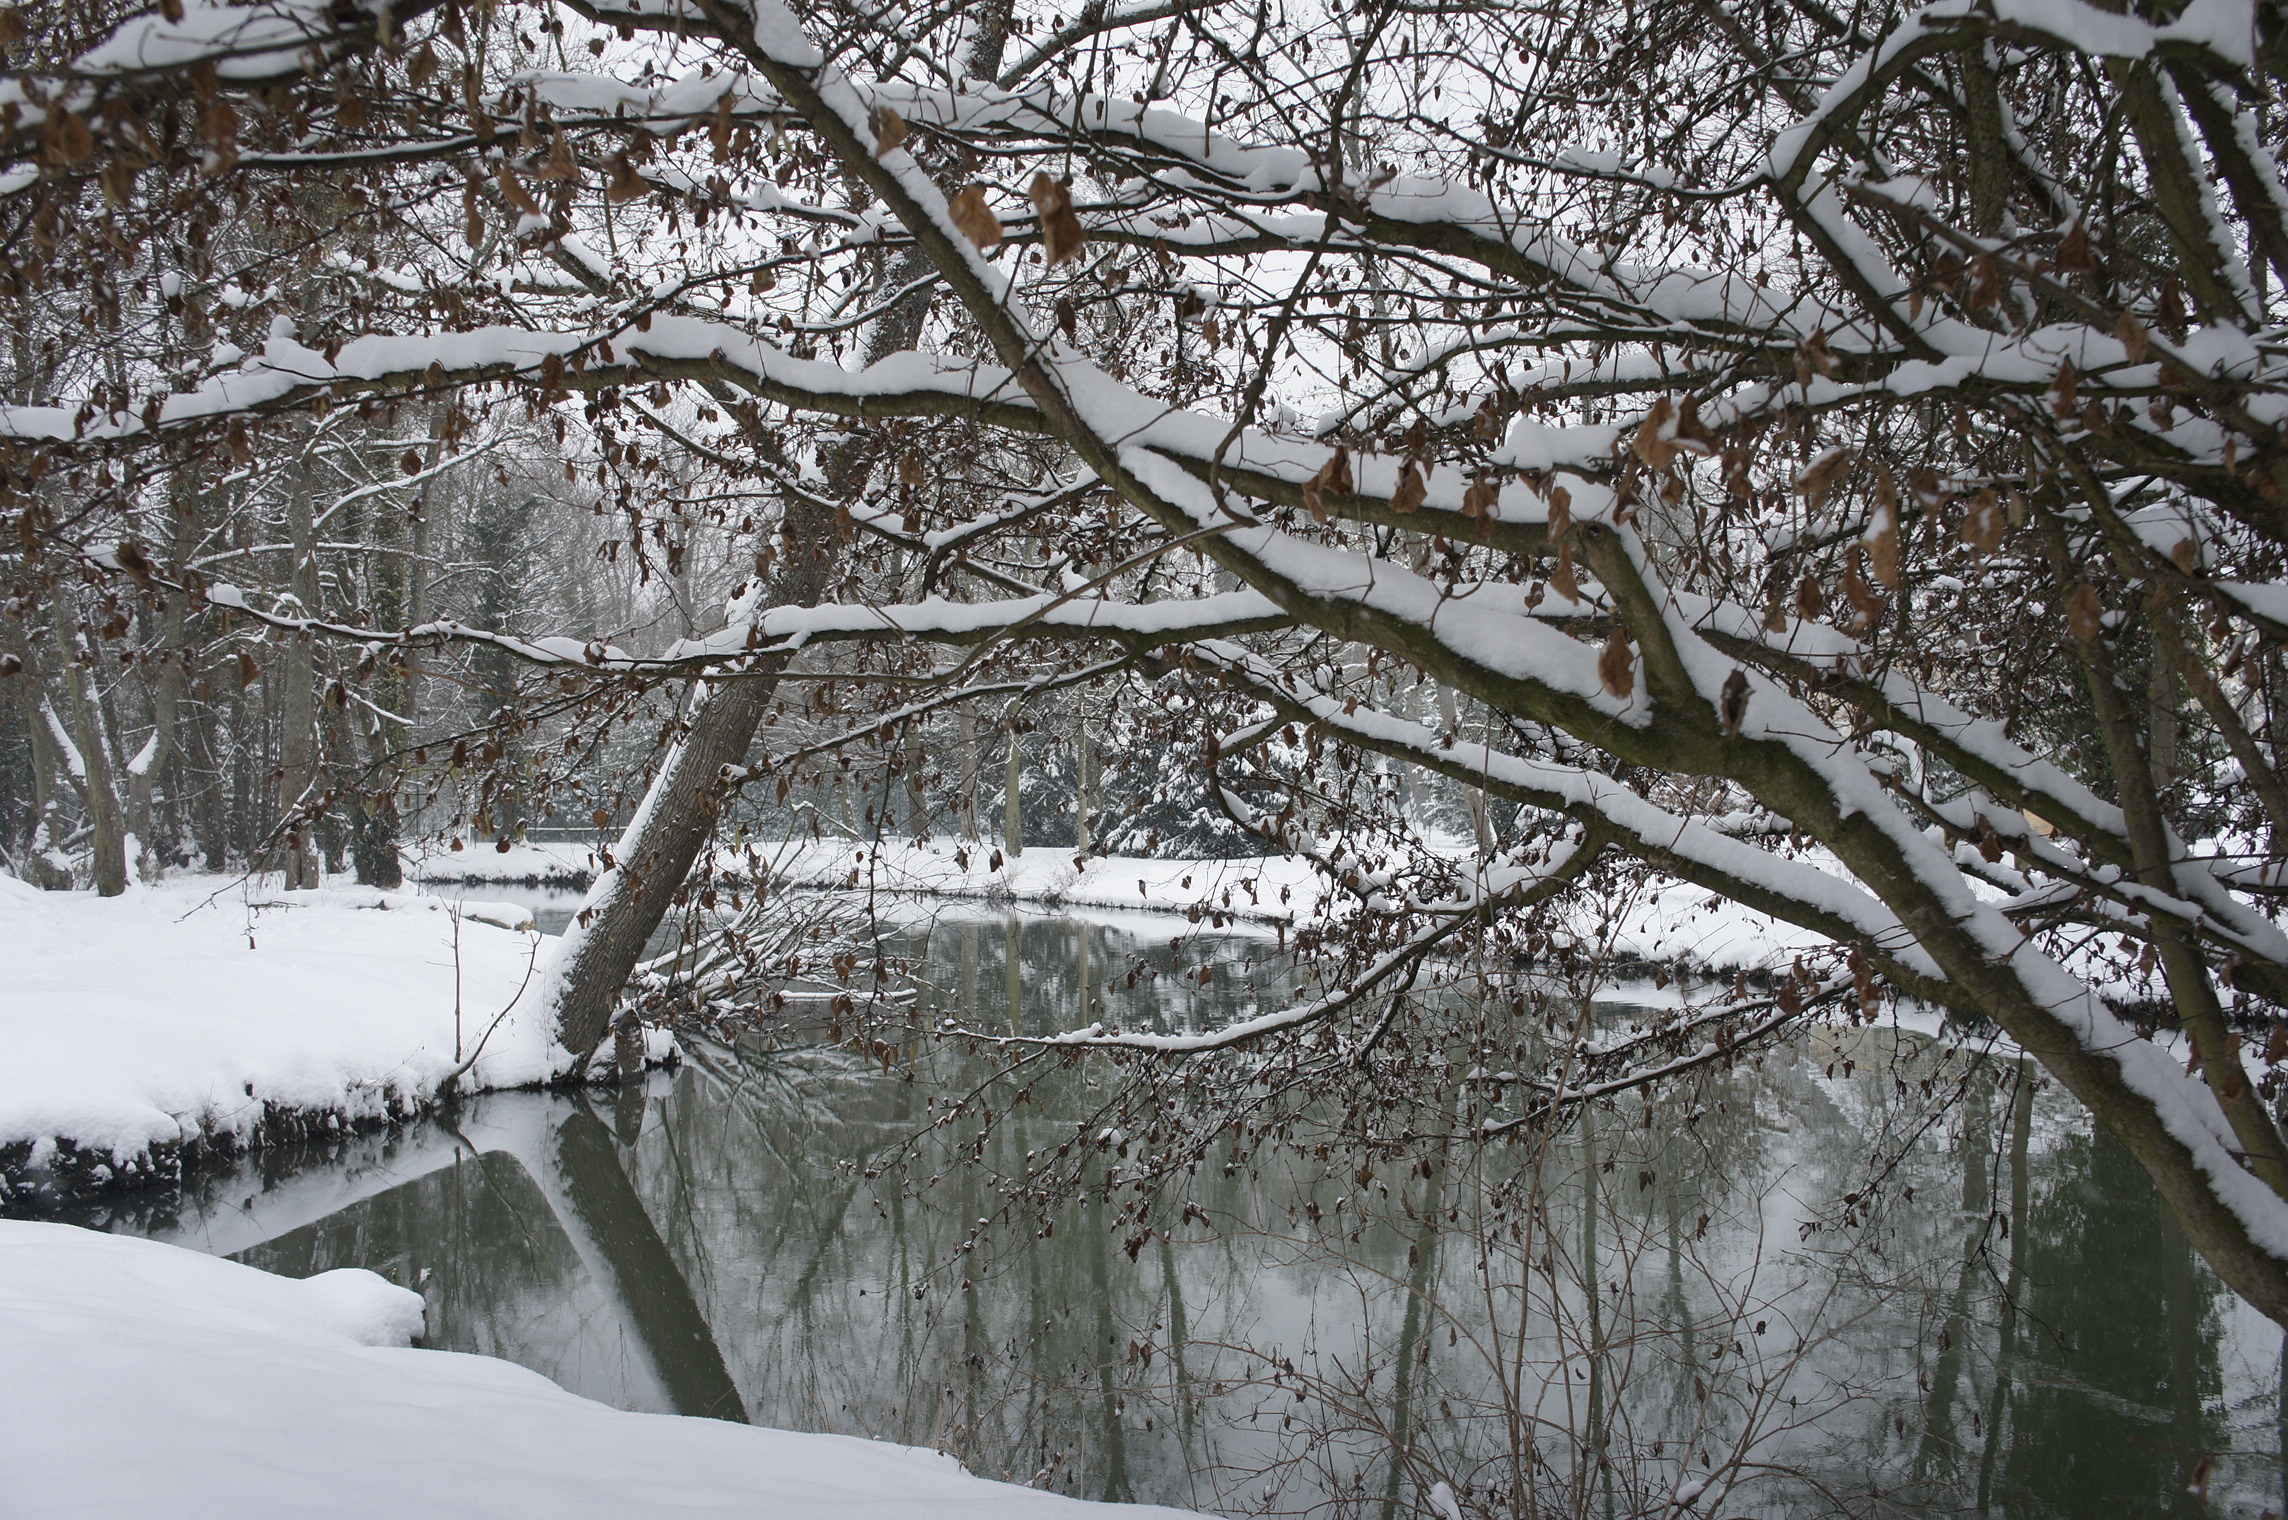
<point>146,1379</point>
<point>186,1008</point>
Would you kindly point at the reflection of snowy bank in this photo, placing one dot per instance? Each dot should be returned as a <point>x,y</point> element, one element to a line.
<point>206,1014</point>
<point>234,1392</point>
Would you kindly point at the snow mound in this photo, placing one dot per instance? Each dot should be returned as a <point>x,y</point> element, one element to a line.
<point>145,1379</point>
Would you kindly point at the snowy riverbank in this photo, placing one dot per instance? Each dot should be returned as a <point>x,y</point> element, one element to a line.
<point>146,1379</point>
<point>210,1012</point>
<point>1668,923</point>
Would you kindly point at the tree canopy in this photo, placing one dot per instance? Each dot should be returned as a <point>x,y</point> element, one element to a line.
<point>1832,458</point>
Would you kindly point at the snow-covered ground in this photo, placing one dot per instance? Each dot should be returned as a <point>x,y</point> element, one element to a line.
<point>208,1010</point>
<point>146,1379</point>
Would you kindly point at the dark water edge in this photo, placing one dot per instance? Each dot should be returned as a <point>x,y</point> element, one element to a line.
<point>705,1242</point>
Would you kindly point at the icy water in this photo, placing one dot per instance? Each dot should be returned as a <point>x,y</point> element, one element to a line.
<point>1712,1295</point>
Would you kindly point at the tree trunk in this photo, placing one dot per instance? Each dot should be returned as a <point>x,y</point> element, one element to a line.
<point>298,730</point>
<point>917,788</point>
<point>1472,798</point>
<point>375,823</point>
<point>50,787</point>
<point>1013,799</point>
<point>966,738</point>
<point>167,690</point>
<point>107,848</point>
<point>582,981</point>
<point>1084,758</point>
<point>601,946</point>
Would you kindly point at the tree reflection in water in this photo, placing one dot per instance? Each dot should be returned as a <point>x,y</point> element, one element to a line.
<point>1545,1337</point>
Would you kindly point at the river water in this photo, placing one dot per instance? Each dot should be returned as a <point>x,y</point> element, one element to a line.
<point>1802,1285</point>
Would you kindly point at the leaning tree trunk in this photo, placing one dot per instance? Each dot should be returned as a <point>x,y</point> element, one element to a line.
<point>600,948</point>
<point>602,944</point>
<point>582,981</point>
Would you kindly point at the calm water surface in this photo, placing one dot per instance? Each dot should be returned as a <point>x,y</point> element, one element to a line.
<point>2013,1327</point>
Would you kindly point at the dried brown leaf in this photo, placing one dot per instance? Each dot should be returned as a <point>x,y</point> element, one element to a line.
<point>2172,304</point>
<point>890,130</point>
<point>130,557</point>
<point>1883,535</point>
<point>1562,580</point>
<point>719,128</point>
<point>1817,353</point>
<point>1560,513</point>
<point>1062,239</point>
<point>75,142</point>
<point>626,184</point>
<point>1819,477</point>
<point>1408,497</point>
<point>1334,475</point>
<point>1732,704</point>
<point>1617,667</point>
<point>512,190</point>
<point>2073,250</point>
<point>1982,526</point>
<point>974,215</point>
<point>1866,606</point>
<point>2063,404</point>
<point>1655,440</point>
<point>2133,337</point>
